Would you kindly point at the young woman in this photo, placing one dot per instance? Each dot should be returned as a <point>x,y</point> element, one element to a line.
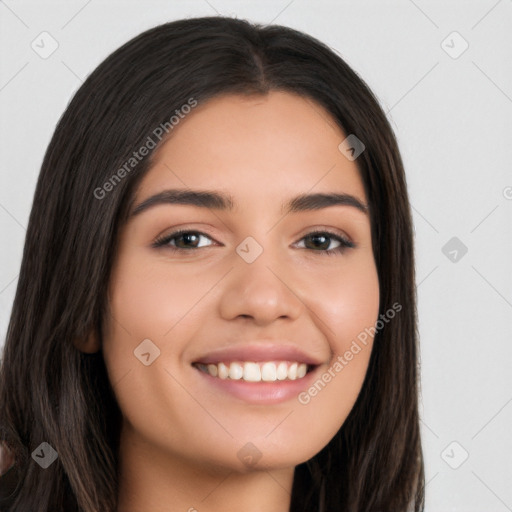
<point>216,304</point>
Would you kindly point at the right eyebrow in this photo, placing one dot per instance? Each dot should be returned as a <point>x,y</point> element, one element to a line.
<point>199,198</point>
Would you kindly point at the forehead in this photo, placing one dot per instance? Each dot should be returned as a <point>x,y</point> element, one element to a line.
<point>259,149</point>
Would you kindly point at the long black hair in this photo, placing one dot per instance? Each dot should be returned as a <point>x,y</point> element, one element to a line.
<point>52,392</point>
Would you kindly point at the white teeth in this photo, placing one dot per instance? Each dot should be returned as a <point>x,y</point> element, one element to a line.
<point>257,372</point>
<point>212,369</point>
<point>269,372</point>
<point>235,371</point>
<point>223,371</point>
<point>252,372</point>
<point>282,371</point>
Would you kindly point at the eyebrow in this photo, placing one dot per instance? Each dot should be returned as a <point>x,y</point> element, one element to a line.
<point>223,202</point>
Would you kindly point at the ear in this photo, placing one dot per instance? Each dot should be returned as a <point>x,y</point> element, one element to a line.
<point>6,458</point>
<point>90,345</point>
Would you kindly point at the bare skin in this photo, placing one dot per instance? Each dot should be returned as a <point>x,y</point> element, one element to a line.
<point>188,443</point>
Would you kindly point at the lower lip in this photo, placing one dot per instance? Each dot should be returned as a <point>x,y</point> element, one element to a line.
<point>263,393</point>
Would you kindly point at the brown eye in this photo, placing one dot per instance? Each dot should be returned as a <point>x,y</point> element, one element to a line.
<point>184,240</point>
<point>320,241</point>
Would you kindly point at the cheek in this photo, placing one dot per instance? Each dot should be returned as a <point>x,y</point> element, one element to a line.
<point>145,304</point>
<point>142,307</point>
<point>348,301</point>
<point>149,300</point>
<point>348,308</point>
<point>139,295</point>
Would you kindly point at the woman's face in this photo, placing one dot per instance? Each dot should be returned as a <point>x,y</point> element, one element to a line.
<point>211,331</point>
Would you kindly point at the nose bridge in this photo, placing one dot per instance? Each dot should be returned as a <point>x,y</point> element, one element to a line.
<point>259,286</point>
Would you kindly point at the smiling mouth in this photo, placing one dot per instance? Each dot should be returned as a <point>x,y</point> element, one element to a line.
<point>269,371</point>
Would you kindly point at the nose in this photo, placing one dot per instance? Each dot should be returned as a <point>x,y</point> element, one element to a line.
<point>262,291</point>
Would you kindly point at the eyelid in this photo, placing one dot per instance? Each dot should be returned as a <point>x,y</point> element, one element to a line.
<point>345,241</point>
<point>162,240</point>
<point>328,230</point>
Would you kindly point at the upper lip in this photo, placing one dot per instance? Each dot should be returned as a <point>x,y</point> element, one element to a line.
<point>258,352</point>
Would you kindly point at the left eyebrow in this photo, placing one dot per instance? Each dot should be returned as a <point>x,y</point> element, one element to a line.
<point>220,201</point>
<point>306,202</point>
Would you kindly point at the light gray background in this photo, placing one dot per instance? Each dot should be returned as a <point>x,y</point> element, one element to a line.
<point>453,120</point>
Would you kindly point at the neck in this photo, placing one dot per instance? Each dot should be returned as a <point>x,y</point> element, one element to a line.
<point>157,481</point>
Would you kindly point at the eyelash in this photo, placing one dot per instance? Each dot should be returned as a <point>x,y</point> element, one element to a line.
<point>162,242</point>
